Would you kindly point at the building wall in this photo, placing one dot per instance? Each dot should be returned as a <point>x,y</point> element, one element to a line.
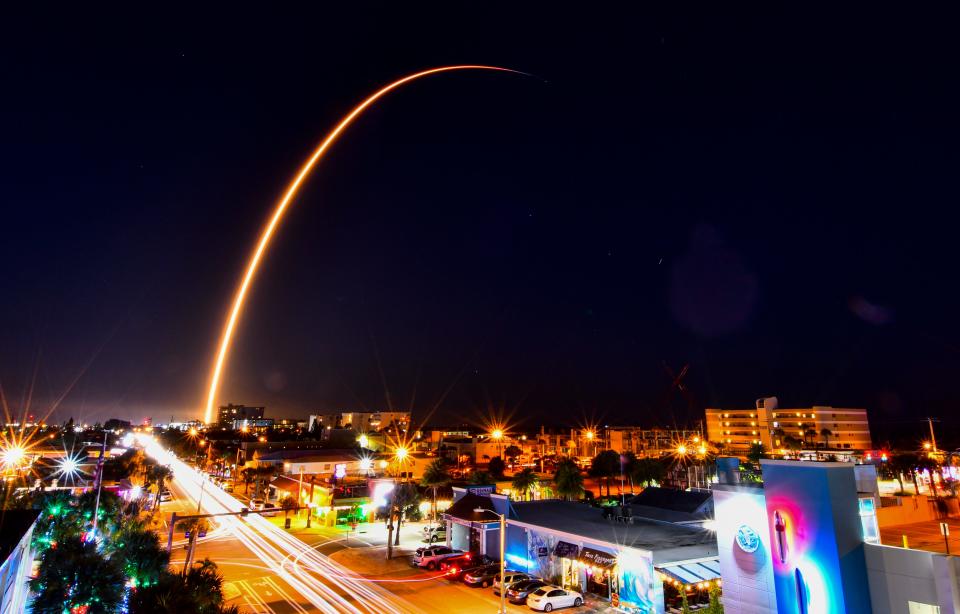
<point>747,576</point>
<point>898,577</point>
<point>532,549</point>
<point>813,520</point>
<point>646,442</point>
<point>226,414</point>
<point>739,428</point>
<point>362,422</point>
<point>14,574</point>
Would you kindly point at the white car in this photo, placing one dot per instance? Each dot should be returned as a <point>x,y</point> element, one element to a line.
<point>547,598</point>
<point>431,556</point>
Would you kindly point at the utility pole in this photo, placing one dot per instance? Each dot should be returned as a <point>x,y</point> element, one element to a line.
<point>173,522</point>
<point>96,507</point>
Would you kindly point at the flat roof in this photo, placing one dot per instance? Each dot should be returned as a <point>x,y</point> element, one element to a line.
<point>667,542</point>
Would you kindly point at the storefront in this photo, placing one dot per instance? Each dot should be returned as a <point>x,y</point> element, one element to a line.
<point>574,546</point>
<point>472,525</point>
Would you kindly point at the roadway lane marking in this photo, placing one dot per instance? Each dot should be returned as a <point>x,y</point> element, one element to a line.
<point>256,597</point>
<point>284,594</point>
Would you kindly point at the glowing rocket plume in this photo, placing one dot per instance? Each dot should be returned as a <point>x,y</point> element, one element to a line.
<point>281,207</point>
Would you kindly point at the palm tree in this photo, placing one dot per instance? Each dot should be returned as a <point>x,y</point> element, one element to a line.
<point>481,477</point>
<point>140,553</point>
<point>649,470</point>
<point>810,437</point>
<point>288,504</point>
<point>266,471</point>
<point>159,474</point>
<point>435,476</point>
<point>755,453</point>
<point>525,482</point>
<point>75,574</point>
<point>826,434</point>
<point>199,590</point>
<point>568,479</point>
<point>604,466</point>
<point>246,475</point>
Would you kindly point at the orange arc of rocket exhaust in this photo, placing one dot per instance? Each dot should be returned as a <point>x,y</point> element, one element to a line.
<point>264,241</point>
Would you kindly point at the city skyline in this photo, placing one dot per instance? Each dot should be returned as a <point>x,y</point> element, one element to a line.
<point>659,195</point>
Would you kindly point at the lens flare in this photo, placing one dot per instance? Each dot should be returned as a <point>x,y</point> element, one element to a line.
<point>264,241</point>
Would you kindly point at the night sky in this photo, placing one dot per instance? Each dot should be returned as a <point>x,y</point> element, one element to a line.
<point>767,196</point>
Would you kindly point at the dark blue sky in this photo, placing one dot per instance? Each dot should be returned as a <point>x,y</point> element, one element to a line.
<point>767,196</point>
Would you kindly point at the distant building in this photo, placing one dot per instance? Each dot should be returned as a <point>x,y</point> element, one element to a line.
<point>252,425</point>
<point>646,442</point>
<point>776,427</point>
<point>362,422</point>
<point>228,413</point>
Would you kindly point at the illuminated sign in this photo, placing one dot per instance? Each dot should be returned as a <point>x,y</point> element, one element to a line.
<point>340,471</point>
<point>747,539</point>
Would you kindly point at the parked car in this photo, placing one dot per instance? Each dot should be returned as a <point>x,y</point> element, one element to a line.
<point>548,598</point>
<point>460,561</point>
<point>511,577</point>
<point>482,576</point>
<point>435,534</point>
<point>518,592</point>
<point>431,556</point>
<point>457,566</point>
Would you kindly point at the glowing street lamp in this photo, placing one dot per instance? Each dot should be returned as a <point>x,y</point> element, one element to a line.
<point>682,449</point>
<point>12,457</point>
<point>497,435</point>
<point>401,453</point>
<point>364,441</point>
<point>68,466</point>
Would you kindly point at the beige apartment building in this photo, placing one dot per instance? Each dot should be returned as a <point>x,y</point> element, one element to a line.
<point>771,425</point>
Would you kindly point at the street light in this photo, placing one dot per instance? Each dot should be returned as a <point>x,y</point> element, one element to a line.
<point>503,554</point>
<point>363,440</point>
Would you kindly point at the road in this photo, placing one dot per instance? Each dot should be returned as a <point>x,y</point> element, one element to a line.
<point>270,570</point>
<point>311,577</point>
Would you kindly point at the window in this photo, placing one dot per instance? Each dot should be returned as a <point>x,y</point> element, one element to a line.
<point>559,593</point>
<point>915,607</point>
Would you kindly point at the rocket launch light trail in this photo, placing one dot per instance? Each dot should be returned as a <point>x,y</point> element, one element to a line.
<point>281,207</point>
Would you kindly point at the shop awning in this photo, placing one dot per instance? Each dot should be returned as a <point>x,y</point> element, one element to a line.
<point>566,550</point>
<point>597,558</point>
<point>692,573</point>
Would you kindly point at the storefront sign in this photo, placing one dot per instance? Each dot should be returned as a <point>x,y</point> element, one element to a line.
<point>480,490</point>
<point>597,558</point>
<point>566,550</point>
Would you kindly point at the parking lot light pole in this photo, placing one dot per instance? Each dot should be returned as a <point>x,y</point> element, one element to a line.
<point>503,555</point>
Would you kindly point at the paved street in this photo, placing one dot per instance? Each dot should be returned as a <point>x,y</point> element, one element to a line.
<point>923,536</point>
<point>255,587</point>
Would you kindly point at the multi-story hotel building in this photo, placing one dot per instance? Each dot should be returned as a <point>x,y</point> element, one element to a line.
<point>837,428</point>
